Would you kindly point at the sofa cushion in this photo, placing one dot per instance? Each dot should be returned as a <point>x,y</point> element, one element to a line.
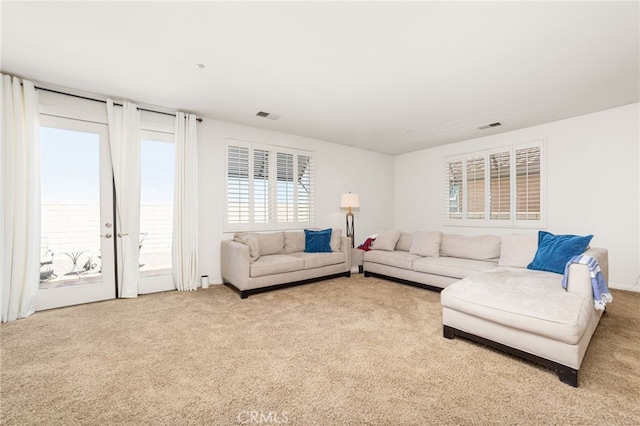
<point>275,264</point>
<point>517,250</point>
<point>554,251</point>
<point>426,244</point>
<point>398,259</point>
<point>251,241</point>
<point>404,242</point>
<point>293,242</point>
<point>318,260</point>
<point>532,301</point>
<point>336,234</point>
<point>451,266</point>
<point>386,240</point>
<point>317,241</point>
<point>481,247</point>
<point>271,243</point>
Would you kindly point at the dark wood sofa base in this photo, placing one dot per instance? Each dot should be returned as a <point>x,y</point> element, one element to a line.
<point>566,374</point>
<point>246,293</point>
<point>401,281</point>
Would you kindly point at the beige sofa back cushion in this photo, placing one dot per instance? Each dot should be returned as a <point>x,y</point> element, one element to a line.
<point>404,242</point>
<point>293,242</point>
<point>481,247</point>
<point>426,244</point>
<point>386,240</point>
<point>271,243</point>
<point>251,241</point>
<point>518,250</point>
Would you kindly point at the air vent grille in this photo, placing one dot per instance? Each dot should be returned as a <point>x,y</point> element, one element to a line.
<point>268,115</point>
<point>488,126</point>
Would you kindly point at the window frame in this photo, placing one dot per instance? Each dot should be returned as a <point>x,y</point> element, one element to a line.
<point>272,216</point>
<point>487,222</point>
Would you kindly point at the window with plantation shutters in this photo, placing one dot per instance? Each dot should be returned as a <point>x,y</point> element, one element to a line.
<point>528,205</point>
<point>261,187</point>
<point>286,187</point>
<point>454,190</point>
<point>267,187</point>
<point>475,187</point>
<point>304,199</point>
<point>238,199</point>
<point>499,187</point>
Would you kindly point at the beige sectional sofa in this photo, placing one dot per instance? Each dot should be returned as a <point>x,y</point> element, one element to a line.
<point>489,296</point>
<point>256,262</point>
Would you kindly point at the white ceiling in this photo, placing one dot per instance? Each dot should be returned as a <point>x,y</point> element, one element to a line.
<point>391,77</point>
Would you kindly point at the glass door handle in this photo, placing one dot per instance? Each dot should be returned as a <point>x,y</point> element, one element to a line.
<point>107,235</point>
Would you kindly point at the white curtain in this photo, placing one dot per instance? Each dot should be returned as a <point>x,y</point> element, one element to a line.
<point>20,198</point>
<point>185,206</point>
<point>124,142</point>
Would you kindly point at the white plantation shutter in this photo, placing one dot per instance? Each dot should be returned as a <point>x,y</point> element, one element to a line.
<point>305,180</point>
<point>528,183</point>
<point>286,188</point>
<point>267,187</point>
<point>509,181</point>
<point>261,187</point>
<point>500,185</point>
<point>454,193</point>
<point>475,187</point>
<point>238,199</point>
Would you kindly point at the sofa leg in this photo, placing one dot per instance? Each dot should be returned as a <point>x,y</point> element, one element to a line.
<point>367,274</point>
<point>447,332</point>
<point>568,375</point>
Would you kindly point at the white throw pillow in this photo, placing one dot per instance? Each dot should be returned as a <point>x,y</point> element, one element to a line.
<point>386,240</point>
<point>426,244</point>
<point>518,250</point>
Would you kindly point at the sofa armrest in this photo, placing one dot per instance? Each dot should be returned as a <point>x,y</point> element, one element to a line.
<point>345,247</point>
<point>579,276</point>
<point>235,263</point>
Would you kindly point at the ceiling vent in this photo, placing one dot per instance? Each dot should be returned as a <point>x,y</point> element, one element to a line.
<point>267,115</point>
<point>488,126</point>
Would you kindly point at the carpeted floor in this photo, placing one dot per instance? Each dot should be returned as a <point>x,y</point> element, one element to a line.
<point>341,352</point>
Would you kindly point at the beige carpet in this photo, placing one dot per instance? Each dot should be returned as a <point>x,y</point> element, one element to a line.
<point>347,351</point>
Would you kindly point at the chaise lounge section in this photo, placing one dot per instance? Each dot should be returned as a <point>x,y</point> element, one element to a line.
<point>488,294</point>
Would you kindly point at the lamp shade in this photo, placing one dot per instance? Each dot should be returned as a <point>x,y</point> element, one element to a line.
<point>349,200</point>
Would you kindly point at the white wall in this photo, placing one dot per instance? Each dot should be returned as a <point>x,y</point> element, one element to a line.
<point>338,169</point>
<point>592,184</point>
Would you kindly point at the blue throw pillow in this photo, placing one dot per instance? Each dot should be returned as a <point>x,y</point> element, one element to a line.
<point>317,241</point>
<point>554,251</point>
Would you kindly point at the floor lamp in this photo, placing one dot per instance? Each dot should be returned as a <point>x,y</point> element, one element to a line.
<point>349,201</point>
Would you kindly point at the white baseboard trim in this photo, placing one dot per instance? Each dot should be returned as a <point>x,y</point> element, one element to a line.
<point>627,287</point>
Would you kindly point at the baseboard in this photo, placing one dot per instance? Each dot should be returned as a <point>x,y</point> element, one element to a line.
<point>626,287</point>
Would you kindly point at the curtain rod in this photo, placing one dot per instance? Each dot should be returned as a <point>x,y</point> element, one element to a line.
<point>198,119</point>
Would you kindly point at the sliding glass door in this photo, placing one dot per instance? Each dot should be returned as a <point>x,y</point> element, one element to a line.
<point>77,234</point>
